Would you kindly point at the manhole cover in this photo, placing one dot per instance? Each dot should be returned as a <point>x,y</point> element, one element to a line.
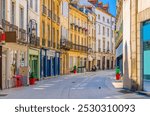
<point>125,91</point>
<point>2,95</point>
<point>73,82</point>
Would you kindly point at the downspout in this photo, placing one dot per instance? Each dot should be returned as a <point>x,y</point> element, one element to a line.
<point>28,40</point>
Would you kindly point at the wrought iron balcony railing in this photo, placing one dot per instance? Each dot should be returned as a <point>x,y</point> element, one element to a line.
<point>54,17</point>
<point>14,28</point>
<point>44,9</point>
<point>49,13</point>
<point>22,36</point>
<point>34,41</point>
<point>5,25</point>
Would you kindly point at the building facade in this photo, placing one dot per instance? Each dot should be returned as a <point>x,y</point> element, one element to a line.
<point>119,35</point>
<point>34,36</point>
<point>91,37</point>
<point>136,52</point>
<point>105,39</point>
<point>50,37</point>
<point>64,32</point>
<point>14,52</point>
<point>78,37</point>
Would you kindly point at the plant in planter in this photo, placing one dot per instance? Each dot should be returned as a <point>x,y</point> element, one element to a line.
<point>32,79</point>
<point>118,73</point>
<point>75,69</point>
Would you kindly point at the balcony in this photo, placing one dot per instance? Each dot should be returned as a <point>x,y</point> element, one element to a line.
<point>119,35</point>
<point>34,41</point>
<point>65,44</point>
<point>72,25</point>
<point>49,13</point>
<point>79,48</point>
<point>43,42</point>
<point>5,25</point>
<point>14,28</point>
<point>22,36</point>
<point>54,17</point>
<point>44,9</point>
<point>58,20</point>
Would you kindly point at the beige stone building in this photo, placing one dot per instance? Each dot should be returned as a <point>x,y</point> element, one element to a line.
<point>136,43</point>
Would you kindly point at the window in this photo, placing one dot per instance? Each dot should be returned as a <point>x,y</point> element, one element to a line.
<point>13,13</point>
<point>108,46</point>
<point>75,40</point>
<point>107,20</point>
<point>65,9</point>
<point>53,36</point>
<point>71,39</point>
<point>36,5</point>
<point>49,32</point>
<point>31,3</point>
<point>58,42</point>
<point>103,19</point>
<point>112,33</point>
<point>103,44</point>
<point>99,45</point>
<point>103,30</point>
<point>43,29</point>
<point>78,40</point>
<point>99,29</point>
<point>3,9</point>
<point>21,20</point>
<point>99,17</point>
<point>107,32</point>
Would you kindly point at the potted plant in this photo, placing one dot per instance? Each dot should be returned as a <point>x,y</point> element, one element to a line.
<point>118,73</point>
<point>75,69</point>
<point>32,79</point>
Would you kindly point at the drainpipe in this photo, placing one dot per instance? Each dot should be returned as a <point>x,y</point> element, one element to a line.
<point>1,30</point>
<point>28,39</point>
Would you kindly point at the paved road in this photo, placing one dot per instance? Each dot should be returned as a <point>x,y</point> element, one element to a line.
<point>95,85</point>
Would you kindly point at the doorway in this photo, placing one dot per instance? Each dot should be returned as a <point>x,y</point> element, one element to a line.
<point>146,55</point>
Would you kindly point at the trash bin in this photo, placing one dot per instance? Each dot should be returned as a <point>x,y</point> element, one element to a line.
<point>18,80</point>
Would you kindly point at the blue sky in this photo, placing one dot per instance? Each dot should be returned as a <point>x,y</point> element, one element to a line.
<point>112,5</point>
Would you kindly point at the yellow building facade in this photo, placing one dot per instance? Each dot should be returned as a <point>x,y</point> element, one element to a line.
<point>50,37</point>
<point>78,36</point>
<point>64,35</point>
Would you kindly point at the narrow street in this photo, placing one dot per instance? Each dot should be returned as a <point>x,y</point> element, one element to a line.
<point>94,85</point>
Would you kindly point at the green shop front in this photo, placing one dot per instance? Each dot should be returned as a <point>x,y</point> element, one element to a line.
<point>34,62</point>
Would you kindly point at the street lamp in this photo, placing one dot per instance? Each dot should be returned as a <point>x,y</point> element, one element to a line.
<point>33,30</point>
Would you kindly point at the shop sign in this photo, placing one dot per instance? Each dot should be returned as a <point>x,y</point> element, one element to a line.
<point>51,53</point>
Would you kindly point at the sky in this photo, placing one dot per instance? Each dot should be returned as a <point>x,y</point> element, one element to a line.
<point>112,5</point>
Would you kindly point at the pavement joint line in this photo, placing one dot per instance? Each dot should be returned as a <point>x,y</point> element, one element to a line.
<point>42,86</point>
<point>38,88</point>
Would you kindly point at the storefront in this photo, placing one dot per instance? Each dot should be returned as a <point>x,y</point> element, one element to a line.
<point>49,63</point>
<point>146,52</point>
<point>119,57</point>
<point>13,58</point>
<point>34,62</point>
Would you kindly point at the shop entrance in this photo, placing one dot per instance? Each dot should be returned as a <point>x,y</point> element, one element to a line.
<point>146,55</point>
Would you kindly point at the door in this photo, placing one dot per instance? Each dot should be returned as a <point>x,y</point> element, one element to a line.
<point>146,55</point>
<point>4,69</point>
